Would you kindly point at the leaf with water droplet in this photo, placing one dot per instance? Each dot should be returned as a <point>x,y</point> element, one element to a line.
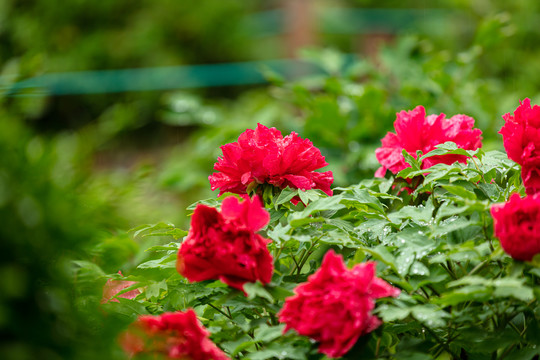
<point>430,315</point>
<point>419,269</point>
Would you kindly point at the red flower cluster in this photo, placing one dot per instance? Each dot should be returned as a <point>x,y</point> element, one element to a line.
<point>416,131</point>
<point>334,306</point>
<point>263,156</point>
<point>521,138</point>
<point>223,245</point>
<point>176,335</point>
<point>517,225</point>
<point>113,287</point>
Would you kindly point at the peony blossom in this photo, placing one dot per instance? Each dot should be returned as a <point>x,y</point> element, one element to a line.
<point>521,138</point>
<point>113,287</point>
<point>224,245</point>
<point>177,335</point>
<point>416,131</point>
<point>264,156</point>
<point>334,306</point>
<point>517,225</point>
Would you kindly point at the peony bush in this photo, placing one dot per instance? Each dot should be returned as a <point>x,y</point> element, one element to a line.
<point>282,266</point>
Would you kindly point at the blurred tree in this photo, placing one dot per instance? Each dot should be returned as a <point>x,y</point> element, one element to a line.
<point>49,220</point>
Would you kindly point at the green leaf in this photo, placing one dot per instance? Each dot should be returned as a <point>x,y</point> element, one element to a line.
<point>468,280</point>
<point>521,293</point>
<point>448,209</point>
<point>173,246</point>
<point>340,224</point>
<point>276,215</point>
<point>267,333</point>
<point>419,269</point>
<point>303,197</point>
<point>380,252</point>
<point>441,172</point>
<point>491,191</point>
<point>237,344</point>
<point>363,196</point>
<point>496,160</point>
<point>87,271</point>
<point>449,148</point>
<point>304,221</point>
<point>257,289</point>
<point>496,341</point>
<point>127,307</point>
<point>278,350</point>
<point>332,203</point>
<point>212,202</point>
<point>452,224</point>
<point>460,191</point>
<point>415,164</point>
<point>151,227</point>
<point>404,261</point>
<point>154,290</point>
<point>512,287</point>
<point>328,203</point>
<point>392,313</point>
<point>167,262</point>
<point>430,315</point>
<point>535,271</point>
<point>523,354</point>
<point>408,172</point>
<point>279,292</point>
<point>338,237</point>
<point>285,196</point>
<point>468,293</point>
<point>419,214</point>
<point>280,233</point>
<point>376,227</point>
<point>159,229</point>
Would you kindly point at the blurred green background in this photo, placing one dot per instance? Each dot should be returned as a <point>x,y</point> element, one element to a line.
<point>87,156</point>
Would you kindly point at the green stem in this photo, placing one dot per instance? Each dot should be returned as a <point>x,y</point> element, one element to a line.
<point>279,250</point>
<point>377,348</point>
<point>477,168</point>
<point>425,293</point>
<point>451,273</point>
<point>221,311</point>
<point>307,254</point>
<point>295,263</point>
<point>478,267</point>
<point>433,289</point>
<point>444,344</point>
<point>451,268</point>
<point>513,326</point>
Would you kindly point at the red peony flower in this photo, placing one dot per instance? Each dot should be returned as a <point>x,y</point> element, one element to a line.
<point>264,156</point>
<point>113,287</point>
<point>176,335</point>
<point>416,131</point>
<point>517,225</point>
<point>334,306</point>
<point>521,138</point>
<point>223,245</point>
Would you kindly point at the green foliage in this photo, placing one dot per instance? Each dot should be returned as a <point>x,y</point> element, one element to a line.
<point>48,221</point>
<point>461,295</point>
